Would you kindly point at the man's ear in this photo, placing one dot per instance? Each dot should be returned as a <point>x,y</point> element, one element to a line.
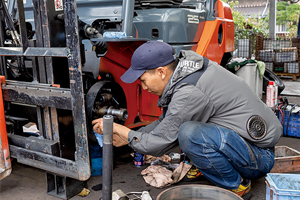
<point>162,71</point>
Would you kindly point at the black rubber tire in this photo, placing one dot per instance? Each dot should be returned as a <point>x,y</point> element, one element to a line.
<point>226,59</point>
<point>271,76</point>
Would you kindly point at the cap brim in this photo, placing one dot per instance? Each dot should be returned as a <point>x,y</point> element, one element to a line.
<point>131,75</point>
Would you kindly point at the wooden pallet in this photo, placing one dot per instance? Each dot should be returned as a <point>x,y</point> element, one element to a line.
<point>288,74</point>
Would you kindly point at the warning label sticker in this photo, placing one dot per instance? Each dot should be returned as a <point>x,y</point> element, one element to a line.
<point>58,5</point>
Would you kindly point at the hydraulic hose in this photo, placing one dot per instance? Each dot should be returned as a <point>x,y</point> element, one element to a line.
<point>10,24</point>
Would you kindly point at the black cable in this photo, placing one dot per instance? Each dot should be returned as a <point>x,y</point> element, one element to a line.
<point>8,18</point>
<point>23,69</point>
<point>10,23</point>
<point>9,65</point>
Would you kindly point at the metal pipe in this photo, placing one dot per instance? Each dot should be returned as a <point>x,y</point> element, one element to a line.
<point>107,157</point>
<point>127,17</point>
<point>121,114</point>
<point>272,19</point>
<point>2,40</point>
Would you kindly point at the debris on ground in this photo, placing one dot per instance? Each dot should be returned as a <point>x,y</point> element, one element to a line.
<point>84,192</point>
<point>31,127</point>
<point>149,158</point>
<point>120,195</point>
<point>159,176</point>
<point>97,187</point>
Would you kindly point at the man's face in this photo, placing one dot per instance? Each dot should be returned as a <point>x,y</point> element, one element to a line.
<point>153,82</point>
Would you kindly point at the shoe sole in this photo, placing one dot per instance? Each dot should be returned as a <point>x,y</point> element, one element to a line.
<point>247,196</point>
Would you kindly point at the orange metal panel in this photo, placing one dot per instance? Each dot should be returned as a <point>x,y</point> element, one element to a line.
<point>208,45</point>
<point>229,36</point>
<point>220,9</point>
<point>224,10</point>
<point>5,164</point>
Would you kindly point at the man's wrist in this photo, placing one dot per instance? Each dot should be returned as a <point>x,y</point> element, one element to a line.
<point>121,130</point>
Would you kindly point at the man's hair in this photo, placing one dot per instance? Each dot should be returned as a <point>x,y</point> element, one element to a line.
<point>172,66</point>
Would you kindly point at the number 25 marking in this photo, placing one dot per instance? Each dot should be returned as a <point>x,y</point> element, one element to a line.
<point>193,19</point>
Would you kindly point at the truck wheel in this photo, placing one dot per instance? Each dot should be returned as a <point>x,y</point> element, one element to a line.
<point>271,76</point>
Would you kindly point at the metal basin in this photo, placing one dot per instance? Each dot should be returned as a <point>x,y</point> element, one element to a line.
<point>197,192</point>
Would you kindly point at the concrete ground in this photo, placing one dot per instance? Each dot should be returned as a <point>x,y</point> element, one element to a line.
<point>27,183</point>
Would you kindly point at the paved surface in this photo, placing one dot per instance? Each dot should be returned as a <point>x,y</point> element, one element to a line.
<point>27,183</point>
<point>292,89</point>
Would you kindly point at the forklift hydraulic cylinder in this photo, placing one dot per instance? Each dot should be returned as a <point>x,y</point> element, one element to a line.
<point>107,157</point>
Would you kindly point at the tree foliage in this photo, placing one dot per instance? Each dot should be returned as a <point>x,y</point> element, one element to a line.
<point>245,27</point>
<point>288,14</point>
<point>238,19</point>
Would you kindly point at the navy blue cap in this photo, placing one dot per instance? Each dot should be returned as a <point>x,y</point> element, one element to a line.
<point>150,55</point>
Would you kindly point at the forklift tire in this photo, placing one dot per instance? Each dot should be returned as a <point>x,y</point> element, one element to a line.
<point>271,76</point>
<point>93,99</point>
<point>226,59</point>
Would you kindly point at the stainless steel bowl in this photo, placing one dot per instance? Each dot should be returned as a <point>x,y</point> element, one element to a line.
<point>197,192</point>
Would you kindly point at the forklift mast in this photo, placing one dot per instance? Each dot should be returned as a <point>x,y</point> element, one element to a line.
<point>35,92</point>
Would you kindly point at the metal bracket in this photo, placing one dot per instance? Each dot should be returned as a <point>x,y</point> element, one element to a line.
<point>63,187</point>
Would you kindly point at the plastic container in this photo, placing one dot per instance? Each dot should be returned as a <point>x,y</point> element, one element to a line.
<point>266,56</point>
<point>270,98</point>
<point>243,48</point>
<point>139,159</point>
<point>282,186</point>
<point>197,192</point>
<point>292,67</point>
<point>291,123</point>
<point>287,159</point>
<point>250,74</point>
<point>96,165</point>
<point>114,35</point>
<point>96,160</point>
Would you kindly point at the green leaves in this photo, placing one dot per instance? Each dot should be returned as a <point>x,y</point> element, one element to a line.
<point>288,14</point>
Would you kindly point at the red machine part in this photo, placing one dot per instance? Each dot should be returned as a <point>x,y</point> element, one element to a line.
<point>5,163</point>
<point>214,39</point>
<point>140,103</point>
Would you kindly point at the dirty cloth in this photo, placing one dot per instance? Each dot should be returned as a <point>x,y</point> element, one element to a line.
<point>236,63</point>
<point>99,138</point>
<point>31,128</point>
<point>159,176</point>
<point>261,68</point>
<point>149,158</point>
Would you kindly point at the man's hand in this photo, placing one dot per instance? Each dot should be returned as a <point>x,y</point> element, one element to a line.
<point>120,136</point>
<point>98,125</point>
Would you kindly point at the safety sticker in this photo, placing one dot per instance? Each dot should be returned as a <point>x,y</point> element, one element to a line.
<point>58,5</point>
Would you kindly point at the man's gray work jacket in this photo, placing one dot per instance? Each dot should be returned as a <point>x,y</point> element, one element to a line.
<point>219,97</point>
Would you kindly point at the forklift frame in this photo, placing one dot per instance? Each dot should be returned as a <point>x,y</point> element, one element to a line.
<point>44,94</point>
